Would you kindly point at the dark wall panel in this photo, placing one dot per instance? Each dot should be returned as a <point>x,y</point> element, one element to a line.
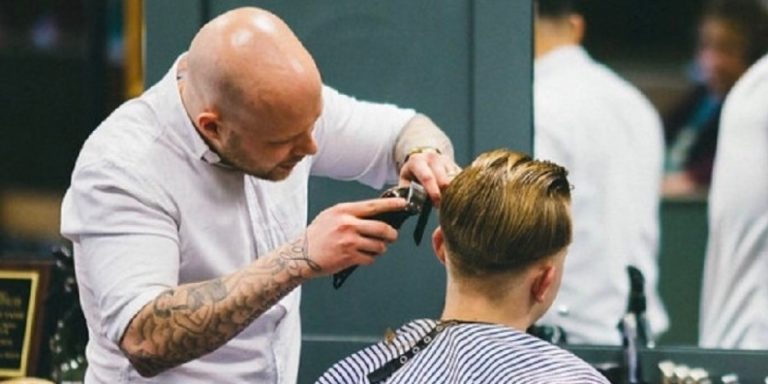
<point>170,26</point>
<point>502,71</point>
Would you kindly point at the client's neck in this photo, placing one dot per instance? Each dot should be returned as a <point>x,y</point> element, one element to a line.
<point>505,305</point>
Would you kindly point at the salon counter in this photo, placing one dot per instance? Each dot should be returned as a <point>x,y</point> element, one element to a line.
<point>749,366</point>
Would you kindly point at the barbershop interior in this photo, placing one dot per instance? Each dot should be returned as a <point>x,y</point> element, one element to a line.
<point>654,108</point>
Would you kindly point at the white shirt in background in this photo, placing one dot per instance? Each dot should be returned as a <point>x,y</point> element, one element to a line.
<point>150,208</point>
<point>734,301</point>
<point>609,137</point>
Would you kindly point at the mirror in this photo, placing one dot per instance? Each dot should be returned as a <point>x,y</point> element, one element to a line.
<point>683,56</point>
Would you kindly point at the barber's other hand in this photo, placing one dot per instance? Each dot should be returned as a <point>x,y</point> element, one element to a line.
<point>432,170</point>
<point>341,236</point>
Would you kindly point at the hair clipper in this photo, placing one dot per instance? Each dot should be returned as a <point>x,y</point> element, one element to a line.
<point>417,203</point>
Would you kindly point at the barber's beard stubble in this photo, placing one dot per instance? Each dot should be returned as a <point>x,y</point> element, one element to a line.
<point>234,155</point>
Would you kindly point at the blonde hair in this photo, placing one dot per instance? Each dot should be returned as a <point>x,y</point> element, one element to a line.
<point>504,212</point>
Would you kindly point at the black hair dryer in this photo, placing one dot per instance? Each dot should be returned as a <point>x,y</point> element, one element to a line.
<point>636,305</point>
<point>635,332</point>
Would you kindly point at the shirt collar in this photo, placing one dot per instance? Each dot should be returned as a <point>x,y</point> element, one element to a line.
<point>552,61</point>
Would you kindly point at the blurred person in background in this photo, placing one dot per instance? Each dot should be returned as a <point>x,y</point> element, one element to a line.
<point>734,300</point>
<point>731,36</point>
<point>609,137</point>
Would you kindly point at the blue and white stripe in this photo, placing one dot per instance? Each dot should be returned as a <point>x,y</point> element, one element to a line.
<point>467,353</point>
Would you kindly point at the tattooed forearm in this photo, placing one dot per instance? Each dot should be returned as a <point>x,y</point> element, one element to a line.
<point>192,320</point>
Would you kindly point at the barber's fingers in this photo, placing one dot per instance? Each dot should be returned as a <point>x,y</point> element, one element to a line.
<point>451,170</point>
<point>432,170</point>
<point>419,169</point>
<point>370,249</point>
<point>444,169</point>
<point>344,235</point>
<point>442,175</point>
<point>375,229</point>
<point>368,208</point>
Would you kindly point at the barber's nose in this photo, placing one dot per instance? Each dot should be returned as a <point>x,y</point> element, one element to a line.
<point>308,145</point>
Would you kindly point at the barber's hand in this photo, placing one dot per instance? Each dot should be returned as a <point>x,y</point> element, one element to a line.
<point>340,236</point>
<point>432,170</point>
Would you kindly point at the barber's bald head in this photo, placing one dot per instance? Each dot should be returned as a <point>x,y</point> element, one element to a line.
<point>253,92</point>
<point>250,57</point>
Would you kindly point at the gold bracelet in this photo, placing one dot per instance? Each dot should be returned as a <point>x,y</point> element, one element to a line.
<point>423,149</point>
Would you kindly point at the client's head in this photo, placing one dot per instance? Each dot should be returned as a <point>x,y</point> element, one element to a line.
<point>504,228</point>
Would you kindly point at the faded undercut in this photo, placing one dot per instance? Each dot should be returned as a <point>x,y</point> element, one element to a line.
<point>504,212</point>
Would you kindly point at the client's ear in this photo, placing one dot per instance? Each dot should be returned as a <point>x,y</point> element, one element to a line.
<point>438,244</point>
<point>544,279</point>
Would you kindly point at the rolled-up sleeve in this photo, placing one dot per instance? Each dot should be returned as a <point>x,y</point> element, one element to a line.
<point>126,244</point>
<point>356,139</point>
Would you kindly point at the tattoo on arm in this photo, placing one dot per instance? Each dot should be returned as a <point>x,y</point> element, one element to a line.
<point>192,320</point>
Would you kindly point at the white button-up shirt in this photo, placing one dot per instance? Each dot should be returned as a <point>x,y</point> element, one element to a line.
<point>734,301</point>
<point>609,138</point>
<point>149,209</point>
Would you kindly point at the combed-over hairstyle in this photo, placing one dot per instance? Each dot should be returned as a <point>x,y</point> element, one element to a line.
<point>504,212</point>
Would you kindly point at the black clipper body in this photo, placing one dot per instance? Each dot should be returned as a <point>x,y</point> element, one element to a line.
<point>417,203</point>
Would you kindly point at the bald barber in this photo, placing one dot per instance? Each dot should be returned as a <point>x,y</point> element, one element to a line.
<point>188,206</point>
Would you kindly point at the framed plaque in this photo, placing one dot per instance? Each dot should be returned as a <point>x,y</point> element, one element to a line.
<point>22,291</point>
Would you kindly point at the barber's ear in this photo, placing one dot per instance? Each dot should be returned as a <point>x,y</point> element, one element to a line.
<point>543,281</point>
<point>438,244</point>
<point>208,125</point>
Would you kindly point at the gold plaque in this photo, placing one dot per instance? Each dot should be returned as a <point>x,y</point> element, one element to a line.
<point>18,303</point>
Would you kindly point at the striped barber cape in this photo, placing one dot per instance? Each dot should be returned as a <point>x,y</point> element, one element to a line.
<point>462,352</point>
